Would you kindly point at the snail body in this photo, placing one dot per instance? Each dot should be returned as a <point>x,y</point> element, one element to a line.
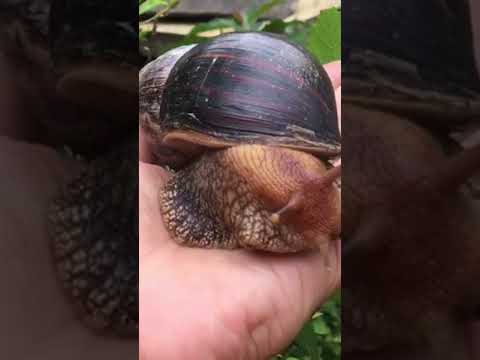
<point>94,233</point>
<point>246,120</point>
<point>245,213</point>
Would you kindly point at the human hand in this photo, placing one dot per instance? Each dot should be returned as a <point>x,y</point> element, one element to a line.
<point>218,304</point>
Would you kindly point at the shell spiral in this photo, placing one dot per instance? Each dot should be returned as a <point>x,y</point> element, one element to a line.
<point>152,79</point>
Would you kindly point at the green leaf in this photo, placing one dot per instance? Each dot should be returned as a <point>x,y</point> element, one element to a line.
<point>298,32</point>
<point>320,327</point>
<point>254,13</point>
<point>324,40</point>
<point>215,24</point>
<point>151,6</point>
<point>276,26</point>
<point>144,35</point>
<point>308,341</point>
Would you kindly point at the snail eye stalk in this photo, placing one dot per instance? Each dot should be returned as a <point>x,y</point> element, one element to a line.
<point>297,201</point>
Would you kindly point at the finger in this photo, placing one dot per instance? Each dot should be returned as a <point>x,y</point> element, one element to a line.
<point>152,232</point>
<point>320,276</point>
<point>307,280</point>
<point>144,148</point>
<point>334,71</point>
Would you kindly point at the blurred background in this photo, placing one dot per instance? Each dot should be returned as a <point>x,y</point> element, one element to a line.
<point>169,23</point>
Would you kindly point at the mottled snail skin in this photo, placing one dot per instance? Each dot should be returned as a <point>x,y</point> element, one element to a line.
<point>233,198</point>
<point>94,230</point>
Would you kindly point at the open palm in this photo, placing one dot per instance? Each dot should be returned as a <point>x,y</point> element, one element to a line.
<point>220,304</point>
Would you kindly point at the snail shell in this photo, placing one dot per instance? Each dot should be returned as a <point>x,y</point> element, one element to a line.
<point>239,88</point>
<point>152,79</point>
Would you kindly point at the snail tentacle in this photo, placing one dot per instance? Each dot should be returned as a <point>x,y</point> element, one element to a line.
<point>298,199</point>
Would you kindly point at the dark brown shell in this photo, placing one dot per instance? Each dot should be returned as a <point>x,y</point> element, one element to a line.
<point>251,88</point>
<point>152,79</point>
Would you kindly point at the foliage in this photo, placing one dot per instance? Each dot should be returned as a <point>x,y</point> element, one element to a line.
<point>324,38</point>
<point>320,339</point>
<point>157,7</point>
<point>321,35</point>
<point>248,20</point>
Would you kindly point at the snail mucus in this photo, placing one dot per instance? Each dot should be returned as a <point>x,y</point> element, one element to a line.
<point>247,122</point>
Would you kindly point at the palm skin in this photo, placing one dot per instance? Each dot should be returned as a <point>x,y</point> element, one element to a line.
<point>220,304</point>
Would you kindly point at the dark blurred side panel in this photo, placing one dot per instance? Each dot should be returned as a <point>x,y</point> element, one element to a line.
<point>69,179</point>
<point>434,34</point>
<point>411,180</point>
